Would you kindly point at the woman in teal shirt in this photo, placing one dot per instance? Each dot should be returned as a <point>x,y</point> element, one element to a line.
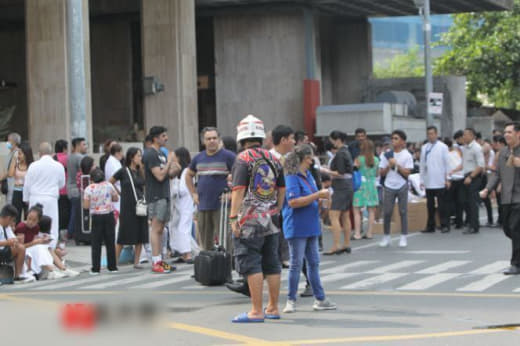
<point>301,226</point>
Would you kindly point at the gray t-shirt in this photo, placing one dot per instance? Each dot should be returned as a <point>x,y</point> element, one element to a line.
<point>73,167</point>
<point>155,189</point>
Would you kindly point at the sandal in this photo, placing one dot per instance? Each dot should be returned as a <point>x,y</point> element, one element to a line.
<point>244,318</point>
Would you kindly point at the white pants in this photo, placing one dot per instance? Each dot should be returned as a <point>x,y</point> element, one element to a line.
<point>50,208</point>
<point>40,256</point>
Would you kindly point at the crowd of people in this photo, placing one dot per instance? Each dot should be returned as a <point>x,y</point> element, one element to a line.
<point>164,204</point>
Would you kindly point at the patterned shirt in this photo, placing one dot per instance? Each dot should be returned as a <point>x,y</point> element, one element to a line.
<point>100,196</point>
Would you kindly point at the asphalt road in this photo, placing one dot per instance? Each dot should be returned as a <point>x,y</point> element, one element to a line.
<point>443,289</point>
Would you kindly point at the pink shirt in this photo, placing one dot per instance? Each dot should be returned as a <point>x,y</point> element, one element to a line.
<point>62,158</point>
<point>100,196</point>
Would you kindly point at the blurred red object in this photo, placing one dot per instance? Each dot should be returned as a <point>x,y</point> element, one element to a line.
<point>79,317</point>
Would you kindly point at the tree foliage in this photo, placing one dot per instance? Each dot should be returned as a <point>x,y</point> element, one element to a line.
<point>409,64</point>
<point>485,47</point>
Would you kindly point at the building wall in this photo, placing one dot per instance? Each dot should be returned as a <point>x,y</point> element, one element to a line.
<point>12,69</point>
<point>260,68</point>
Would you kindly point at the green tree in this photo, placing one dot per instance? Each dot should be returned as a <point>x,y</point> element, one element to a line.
<point>409,64</point>
<point>485,47</point>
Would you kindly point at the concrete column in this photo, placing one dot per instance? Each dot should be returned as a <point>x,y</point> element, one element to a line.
<point>78,55</point>
<point>169,53</point>
<point>47,86</point>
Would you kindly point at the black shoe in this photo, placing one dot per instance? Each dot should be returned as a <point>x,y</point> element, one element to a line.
<point>470,231</point>
<point>307,292</point>
<point>242,288</point>
<point>428,231</point>
<point>445,230</point>
<point>344,250</point>
<point>459,227</point>
<point>513,270</point>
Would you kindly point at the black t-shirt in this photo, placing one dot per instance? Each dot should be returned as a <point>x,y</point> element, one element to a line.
<point>342,163</point>
<point>155,189</point>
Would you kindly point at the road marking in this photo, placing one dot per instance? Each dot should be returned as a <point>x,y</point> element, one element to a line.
<point>344,267</point>
<point>64,284</point>
<point>491,268</point>
<point>394,266</point>
<point>119,282</point>
<point>164,282</point>
<point>337,277</point>
<point>436,252</point>
<point>376,244</point>
<point>442,267</point>
<point>429,281</point>
<point>484,283</point>
<point>219,334</point>
<point>375,280</point>
<point>398,337</point>
<point>517,290</point>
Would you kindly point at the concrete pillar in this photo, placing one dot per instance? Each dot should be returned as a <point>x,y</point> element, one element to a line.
<point>169,53</point>
<point>47,85</point>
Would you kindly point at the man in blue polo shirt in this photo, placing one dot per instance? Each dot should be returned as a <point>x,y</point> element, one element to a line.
<point>212,167</point>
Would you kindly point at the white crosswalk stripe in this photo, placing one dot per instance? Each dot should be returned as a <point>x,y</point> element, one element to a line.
<point>429,281</point>
<point>491,268</point>
<point>140,277</point>
<point>63,283</point>
<point>373,281</point>
<point>439,268</point>
<point>337,277</point>
<point>484,283</point>
<point>343,268</point>
<point>396,266</point>
<point>164,282</point>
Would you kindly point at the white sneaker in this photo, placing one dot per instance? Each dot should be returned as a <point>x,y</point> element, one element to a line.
<point>24,280</point>
<point>55,274</point>
<point>403,242</point>
<point>70,273</point>
<point>385,242</point>
<point>290,306</point>
<point>325,304</point>
<point>93,273</point>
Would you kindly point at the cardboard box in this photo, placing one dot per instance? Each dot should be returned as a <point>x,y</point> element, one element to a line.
<point>417,218</point>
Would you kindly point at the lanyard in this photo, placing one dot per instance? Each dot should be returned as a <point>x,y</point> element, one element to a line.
<point>428,151</point>
<point>309,184</point>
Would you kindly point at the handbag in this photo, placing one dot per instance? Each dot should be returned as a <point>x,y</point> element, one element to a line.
<point>141,209</point>
<point>4,188</point>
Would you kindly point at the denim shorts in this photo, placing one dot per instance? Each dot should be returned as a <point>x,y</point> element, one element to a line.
<point>257,255</point>
<point>159,210</point>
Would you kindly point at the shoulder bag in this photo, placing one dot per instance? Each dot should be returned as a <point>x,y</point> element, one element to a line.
<point>141,209</point>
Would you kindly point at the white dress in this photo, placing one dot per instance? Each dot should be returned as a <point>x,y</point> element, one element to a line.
<point>181,222</point>
<point>40,256</point>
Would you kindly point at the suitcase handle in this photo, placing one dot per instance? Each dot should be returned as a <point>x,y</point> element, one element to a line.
<point>223,224</point>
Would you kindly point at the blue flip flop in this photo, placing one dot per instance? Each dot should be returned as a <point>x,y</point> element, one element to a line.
<point>243,318</point>
<point>270,316</point>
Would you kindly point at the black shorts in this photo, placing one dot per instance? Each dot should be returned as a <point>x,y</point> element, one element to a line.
<point>257,255</point>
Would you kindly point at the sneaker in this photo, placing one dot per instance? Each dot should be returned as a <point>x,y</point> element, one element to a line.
<point>290,306</point>
<point>24,280</point>
<point>113,271</point>
<point>307,292</point>
<point>403,242</point>
<point>385,242</point>
<point>55,274</point>
<point>70,273</point>
<point>325,304</point>
<point>168,267</point>
<point>93,273</point>
<point>160,268</point>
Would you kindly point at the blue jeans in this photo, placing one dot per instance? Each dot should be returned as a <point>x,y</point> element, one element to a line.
<point>298,249</point>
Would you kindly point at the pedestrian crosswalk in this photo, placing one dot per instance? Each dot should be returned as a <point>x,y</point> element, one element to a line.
<point>401,275</point>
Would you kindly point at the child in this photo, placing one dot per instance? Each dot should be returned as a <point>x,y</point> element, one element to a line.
<point>98,198</point>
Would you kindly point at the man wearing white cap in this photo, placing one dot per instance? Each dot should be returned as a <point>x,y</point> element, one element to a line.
<point>258,195</point>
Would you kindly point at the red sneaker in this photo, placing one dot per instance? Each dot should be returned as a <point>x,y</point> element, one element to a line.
<point>159,268</point>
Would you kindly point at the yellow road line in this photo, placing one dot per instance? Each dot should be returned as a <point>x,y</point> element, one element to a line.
<point>10,297</point>
<point>398,337</point>
<point>220,334</point>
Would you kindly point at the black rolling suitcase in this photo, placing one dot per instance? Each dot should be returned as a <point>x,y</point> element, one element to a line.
<point>213,267</point>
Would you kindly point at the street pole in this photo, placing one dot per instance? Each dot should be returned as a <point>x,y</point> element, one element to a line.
<point>427,28</point>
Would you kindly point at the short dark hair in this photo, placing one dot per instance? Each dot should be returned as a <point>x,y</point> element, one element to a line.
<point>515,124</point>
<point>282,131</point>
<point>86,165</point>
<point>479,135</point>
<point>229,143</point>
<point>337,134</point>
<point>400,133</point>
<point>499,139</point>
<point>9,210</point>
<point>448,142</point>
<point>251,140</point>
<point>45,224</point>
<point>97,175</point>
<point>360,130</point>
<point>76,141</point>
<point>116,148</point>
<point>432,128</point>
<point>156,131</point>
<point>208,129</point>
<point>60,146</point>
<point>458,134</point>
<point>325,177</point>
<point>472,130</point>
<point>298,136</point>
<point>148,139</point>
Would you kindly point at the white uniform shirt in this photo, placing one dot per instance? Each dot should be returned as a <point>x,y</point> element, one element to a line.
<point>111,167</point>
<point>10,234</point>
<point>434,165</point>
<point>393,179</point>
<point>455,160</point>
<point>45,177</point>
